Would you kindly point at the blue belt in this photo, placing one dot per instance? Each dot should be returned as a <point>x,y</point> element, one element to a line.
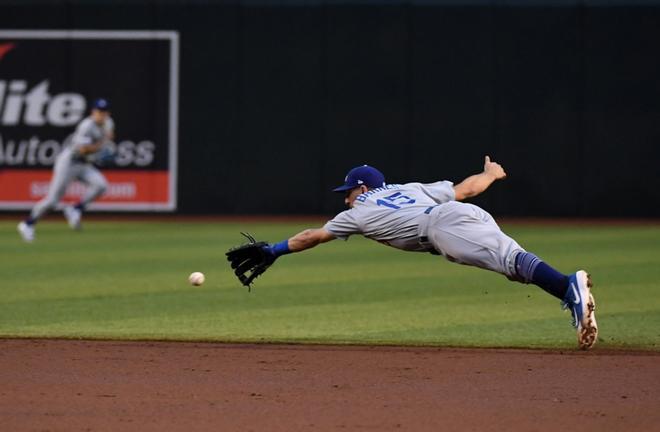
<point>428,210</point>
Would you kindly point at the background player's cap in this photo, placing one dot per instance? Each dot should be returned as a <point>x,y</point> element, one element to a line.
<point>362,175</point>
<point>101,104</point>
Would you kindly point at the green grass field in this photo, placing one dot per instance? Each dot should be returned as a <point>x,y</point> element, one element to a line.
<point>128,280</point>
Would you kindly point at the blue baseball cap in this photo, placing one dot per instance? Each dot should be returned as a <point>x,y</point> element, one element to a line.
<point>362,175</point>
<point>101,104</point>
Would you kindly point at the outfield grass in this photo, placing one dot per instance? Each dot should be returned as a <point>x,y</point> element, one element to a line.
<point>128,280</point>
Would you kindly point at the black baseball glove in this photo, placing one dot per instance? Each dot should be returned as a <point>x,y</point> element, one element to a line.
<point>250,260</point>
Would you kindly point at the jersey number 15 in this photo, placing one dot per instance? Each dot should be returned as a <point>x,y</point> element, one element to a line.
<point>395,201</point>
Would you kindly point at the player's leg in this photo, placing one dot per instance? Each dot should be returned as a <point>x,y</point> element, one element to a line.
<point>467,234</point>
<point>96,186</point>
<point>63,173</point>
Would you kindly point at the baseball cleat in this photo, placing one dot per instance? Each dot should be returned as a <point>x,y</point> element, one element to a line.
<point>73,216</point>
<point>26,231</point>
<point>582,305</point>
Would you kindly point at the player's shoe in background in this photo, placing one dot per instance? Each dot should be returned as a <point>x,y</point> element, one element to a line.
<point>26,231</point>
<point>581,303</point>
<point>73,217</point>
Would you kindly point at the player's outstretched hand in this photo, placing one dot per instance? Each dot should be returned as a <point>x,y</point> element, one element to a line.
<point>494,169</point>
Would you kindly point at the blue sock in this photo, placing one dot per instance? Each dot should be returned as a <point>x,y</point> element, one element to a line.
<point>30,221</point>
<point>80,206</point>
<point>531,269</point>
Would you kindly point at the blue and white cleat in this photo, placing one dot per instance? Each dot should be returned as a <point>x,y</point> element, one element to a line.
<point>582,305</point>
<point>26,231</point>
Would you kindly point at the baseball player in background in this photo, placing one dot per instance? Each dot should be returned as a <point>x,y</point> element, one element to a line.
<point>431,218</point>
<point>88,145</point>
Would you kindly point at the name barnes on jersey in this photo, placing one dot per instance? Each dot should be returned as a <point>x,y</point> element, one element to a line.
<point>363,197</point>
<point>25,110</point>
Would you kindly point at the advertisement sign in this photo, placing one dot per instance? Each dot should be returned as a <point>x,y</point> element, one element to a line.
<point>48,80</point>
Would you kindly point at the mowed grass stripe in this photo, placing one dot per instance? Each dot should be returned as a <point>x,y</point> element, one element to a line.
<point>128,280</point>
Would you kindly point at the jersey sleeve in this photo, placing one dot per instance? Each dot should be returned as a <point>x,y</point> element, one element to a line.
<point>109,126</point>
<point>83,135</point>
<point>343,225</point>
<point>440,192</point>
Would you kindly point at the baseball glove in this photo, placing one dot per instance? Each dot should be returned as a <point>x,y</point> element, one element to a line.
<point>103,157</point>
<point>250,260</point>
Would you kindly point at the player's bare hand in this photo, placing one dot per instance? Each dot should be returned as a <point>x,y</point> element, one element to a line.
<point>494,169</point>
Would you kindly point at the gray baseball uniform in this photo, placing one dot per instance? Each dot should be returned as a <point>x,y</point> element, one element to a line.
<point>425,218</point>
<point>70,165</point>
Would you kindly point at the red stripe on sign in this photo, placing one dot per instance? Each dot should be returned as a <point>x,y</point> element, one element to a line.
<point>5,48</point>
<point>123,186</point>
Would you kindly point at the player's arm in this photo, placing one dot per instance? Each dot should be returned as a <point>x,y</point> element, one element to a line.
<point>303,240</point>
<point>109,129</point>
<point>341,226</point>
<point>83,139</point>
<point>308,239</point>
<point>252,259</point>
<point>91,148</point>
<point>476,184</point>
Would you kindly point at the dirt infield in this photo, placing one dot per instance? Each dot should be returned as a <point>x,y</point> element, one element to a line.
<point>57,385</point>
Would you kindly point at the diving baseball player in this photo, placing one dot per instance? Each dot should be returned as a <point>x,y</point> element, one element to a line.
<point>88,144</point>
<point>431,218</point>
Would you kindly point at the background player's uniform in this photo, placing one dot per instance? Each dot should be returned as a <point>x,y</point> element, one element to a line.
<point>70,165</point>
<point>425,218</point>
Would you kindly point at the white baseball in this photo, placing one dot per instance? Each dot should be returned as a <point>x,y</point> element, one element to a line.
<point>196,278</point>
